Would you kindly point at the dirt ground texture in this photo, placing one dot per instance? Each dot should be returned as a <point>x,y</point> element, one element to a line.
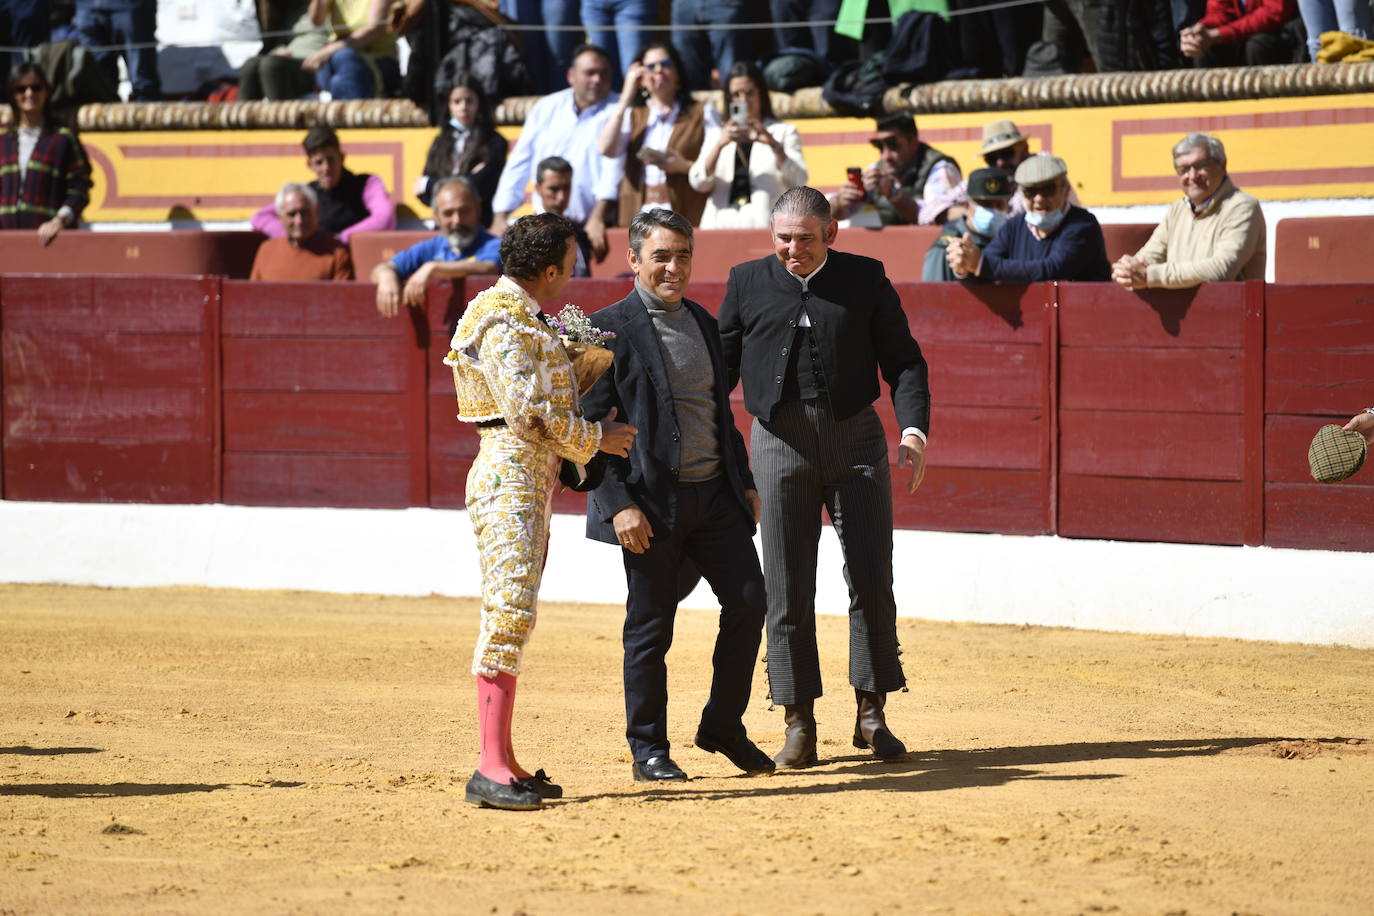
<point>202,751</point>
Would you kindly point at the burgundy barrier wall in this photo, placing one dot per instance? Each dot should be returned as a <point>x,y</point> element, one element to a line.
<point>1081,409</point>
<point>1326,249</point>
<point>111,390</point>
<point>182,252</point>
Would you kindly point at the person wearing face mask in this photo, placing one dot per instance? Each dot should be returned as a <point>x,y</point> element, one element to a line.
<point>1052,240</point>
<point>748,162</point>
<point>467,145</point>
<point>1215,232</point>
<point>463,248</point>
<point>990,193</point>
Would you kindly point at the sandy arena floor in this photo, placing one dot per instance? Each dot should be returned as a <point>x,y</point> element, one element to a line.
<point>195,751</point>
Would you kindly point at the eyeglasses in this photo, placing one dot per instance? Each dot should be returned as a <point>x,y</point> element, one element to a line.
<point>1202,165</point>
<point>659,65</point>
<point>25,88</point>
<point>1040,190</point>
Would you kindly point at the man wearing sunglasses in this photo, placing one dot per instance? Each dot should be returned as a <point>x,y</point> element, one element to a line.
<point>1052,240</point>
<point>911,183</point>
<point>1215,232</point>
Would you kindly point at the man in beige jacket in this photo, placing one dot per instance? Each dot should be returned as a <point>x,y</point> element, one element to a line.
<point>1215,233</point>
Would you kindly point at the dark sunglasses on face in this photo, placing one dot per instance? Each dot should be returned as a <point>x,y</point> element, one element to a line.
<point>659,65</point>
<point>883,143</point>
<point>35,88</point>
<point>1040,190</point>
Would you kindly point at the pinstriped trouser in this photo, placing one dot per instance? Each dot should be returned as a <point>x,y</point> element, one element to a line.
<point>804,460</point>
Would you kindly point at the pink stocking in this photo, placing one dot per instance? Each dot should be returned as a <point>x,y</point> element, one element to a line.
<point>519,771</point>
<point>495,703</point>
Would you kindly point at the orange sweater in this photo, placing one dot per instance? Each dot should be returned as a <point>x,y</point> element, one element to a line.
<point>322,257</point>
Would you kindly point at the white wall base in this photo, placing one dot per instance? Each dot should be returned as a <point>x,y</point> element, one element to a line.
<point>1265,593</point>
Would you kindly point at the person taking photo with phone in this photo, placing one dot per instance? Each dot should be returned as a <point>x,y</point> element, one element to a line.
<point>747,163</point>
<point>657,128</point>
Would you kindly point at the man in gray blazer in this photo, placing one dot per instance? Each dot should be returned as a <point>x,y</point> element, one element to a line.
<point>809,331</point>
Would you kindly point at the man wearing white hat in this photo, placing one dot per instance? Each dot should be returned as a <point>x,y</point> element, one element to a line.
<point>1052,240</point>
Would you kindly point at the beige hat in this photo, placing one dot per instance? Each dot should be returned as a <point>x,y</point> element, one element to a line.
<point>1040,168</point>
<point>1000,135</point>
<point>1335,453</point>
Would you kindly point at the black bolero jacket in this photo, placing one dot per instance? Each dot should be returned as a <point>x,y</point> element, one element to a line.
<point>858,325</point>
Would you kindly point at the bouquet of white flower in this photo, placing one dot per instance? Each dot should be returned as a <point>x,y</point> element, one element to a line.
<point>585,343</point>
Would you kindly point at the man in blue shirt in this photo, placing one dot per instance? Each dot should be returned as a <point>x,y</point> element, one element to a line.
<point>1052,240</point>
<point>465,248</point>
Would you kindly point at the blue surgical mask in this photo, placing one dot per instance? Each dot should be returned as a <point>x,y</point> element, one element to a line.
<point>986,221</point>
<point>457,125</point>
<point>1045,222</point>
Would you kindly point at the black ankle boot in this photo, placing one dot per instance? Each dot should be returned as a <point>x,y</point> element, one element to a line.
<point>870,726</point>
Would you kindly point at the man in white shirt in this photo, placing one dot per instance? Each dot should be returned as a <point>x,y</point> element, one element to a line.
<point>567,124</point>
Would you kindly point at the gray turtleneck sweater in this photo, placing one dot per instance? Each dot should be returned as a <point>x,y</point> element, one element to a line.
<point>692,380</point>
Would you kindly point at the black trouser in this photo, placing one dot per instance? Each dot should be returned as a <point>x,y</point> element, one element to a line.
<point>712,530</point>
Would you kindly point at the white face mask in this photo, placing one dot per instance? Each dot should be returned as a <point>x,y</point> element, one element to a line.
<point>985,221</point>
<point>1046,222</point>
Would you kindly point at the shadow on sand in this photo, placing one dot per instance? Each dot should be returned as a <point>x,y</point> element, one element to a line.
<point>940,770</point>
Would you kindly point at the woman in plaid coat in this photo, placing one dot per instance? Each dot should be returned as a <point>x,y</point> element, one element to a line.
<point>45,177</point>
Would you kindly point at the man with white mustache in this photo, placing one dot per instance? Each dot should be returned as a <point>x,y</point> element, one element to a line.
<point>462,249</point>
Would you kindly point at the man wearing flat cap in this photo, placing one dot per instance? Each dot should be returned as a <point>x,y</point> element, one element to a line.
<point>1215,232</point>
<point>990,192</point>
<point>911,183</point>
<point>1052,240</point>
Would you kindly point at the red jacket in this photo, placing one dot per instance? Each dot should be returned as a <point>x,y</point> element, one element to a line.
<point>1236,22</point>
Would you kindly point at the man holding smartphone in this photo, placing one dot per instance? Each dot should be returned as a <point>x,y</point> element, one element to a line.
<point>912,183</point>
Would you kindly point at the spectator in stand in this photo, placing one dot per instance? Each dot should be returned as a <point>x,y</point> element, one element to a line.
<point>349,203</point>
<point>1004,147</point>
<point>1214,233</point>
<point>462,249</point>
<point>747,163</point>
<point>656,130</point>
<point>568,123</point>
<point>911,183</point>
<point>713,51</point>
<point>626,43</point>
<point>132,26</point>
<point>1052,240</point>
<point>548,52</point>
<point>553,184</point>
<point>359,61</point>
<point>45,177</point>
<point>1245,33</point>
<point>280,74</point>
<point>23,24</point>
<point>990,192</point>
<point>467,145</point>
<point>304,253</point>
<point>1353,17</point>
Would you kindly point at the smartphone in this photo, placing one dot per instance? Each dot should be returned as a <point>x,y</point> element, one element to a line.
<point>739,112</point>
<point>650,155</point>
<point>855,176</point>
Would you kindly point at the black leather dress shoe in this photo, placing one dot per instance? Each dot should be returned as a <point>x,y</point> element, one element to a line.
<point>658,769</point>
<point>540,784</point>
<point>488,793</point>
<point>740,751</point>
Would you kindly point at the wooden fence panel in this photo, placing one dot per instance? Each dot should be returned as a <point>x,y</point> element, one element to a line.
<point>323,398</point>
<point>109,388</point>
<point>1319,350</point>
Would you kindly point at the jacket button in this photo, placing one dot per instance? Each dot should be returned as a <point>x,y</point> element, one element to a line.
<point>805,296</point>
<point>674,437</point>
<point>784,351</point>
<point>674,472</point>
<point>777,379</point>
<point>791,324</point>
